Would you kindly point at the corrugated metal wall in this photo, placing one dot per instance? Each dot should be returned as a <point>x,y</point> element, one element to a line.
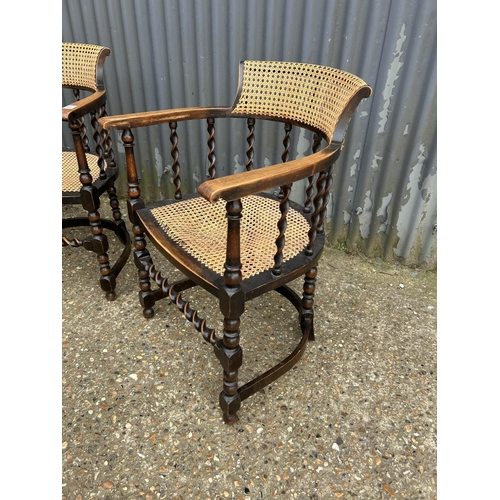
<point>176,53</point>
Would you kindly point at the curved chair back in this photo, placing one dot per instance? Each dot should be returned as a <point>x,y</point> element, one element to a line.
<point>305,94</point>
<point>82,66</point>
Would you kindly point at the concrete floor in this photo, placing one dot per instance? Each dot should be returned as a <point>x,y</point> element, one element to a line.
<point>356,418</point>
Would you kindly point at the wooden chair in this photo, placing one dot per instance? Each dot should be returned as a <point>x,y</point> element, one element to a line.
<point>235,238</point>
<point>89,169</point>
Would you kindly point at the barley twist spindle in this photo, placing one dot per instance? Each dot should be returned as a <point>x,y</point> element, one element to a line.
<point>98,145</point>
<point>175,156</point>
<point>106,141</point>
<point>83,168</point>
<point>176,297</point>
<point>310,180</point>
<point>211,147</point>
<point>285,156</point>
<point>250,142</point>
<point>315,217</point>
<point>325,200</point>
<point>280,241</point>
<point>81,123</point>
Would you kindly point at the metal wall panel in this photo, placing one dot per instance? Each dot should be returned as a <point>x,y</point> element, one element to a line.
<point>173,53</point>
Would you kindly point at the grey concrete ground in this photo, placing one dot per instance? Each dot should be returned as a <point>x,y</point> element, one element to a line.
<point>356,418</point>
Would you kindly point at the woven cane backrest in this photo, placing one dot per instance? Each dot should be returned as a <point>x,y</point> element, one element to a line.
<point>304,93</point>
<point>80,65</point>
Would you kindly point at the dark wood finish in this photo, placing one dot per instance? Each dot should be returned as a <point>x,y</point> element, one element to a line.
<point>232,306</point>
<point>142,257</point>
<point>173,292</point>
<point>230,286</point>
<point>250,142</point>
<point>175,156</point>
<point>211,147</point>
<point>310,180</point>
<point>307,315</point>
<point>148,118</point>
<point>280,240</point>
<point>84,106</point>
<point>243,184</point>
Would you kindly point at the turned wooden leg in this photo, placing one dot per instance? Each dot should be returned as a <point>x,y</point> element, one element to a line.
<point>121,229</point>
<point>232,306</point>
<point>142,257</point>
<point>114,204</point>
<point>143,260</point>
<point>90,202</point>
<point>99,241</point>
<point>230,356</point>
<point>307,316</point>
<point>108,280</point>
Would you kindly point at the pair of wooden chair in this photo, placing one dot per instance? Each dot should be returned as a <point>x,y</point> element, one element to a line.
<point>240,235</point>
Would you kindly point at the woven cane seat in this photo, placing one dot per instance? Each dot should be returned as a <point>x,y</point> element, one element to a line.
<point>200,228</point>
<point>70,176</point>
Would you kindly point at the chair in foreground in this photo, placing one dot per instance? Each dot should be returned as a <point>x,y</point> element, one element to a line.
<point>89,169</point>
<point>235,238</point>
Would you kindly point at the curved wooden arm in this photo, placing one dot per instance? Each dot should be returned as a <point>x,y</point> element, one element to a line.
<point>147,118</point>
<point>80,108</point>
<point>236,186</point>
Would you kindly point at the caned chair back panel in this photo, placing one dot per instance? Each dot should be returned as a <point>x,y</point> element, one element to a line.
<point>305,93</point>
<point>82,65</point>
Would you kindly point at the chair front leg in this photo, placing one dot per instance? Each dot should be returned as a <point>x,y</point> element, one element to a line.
<point>143,262</point>
<point>232,306</point>
<point>307,315</point>
<point>90,202</point>
<point>142,257</point>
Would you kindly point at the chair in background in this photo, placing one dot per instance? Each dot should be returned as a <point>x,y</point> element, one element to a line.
<point>235,238</point>
<point>89,169</point>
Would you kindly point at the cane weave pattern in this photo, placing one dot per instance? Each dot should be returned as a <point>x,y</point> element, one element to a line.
<point>70,176</point>
<point>306,93</point>
<point>79,63</point>
<point>200,229</point>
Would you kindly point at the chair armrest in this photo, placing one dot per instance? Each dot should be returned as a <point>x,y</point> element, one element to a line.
<point>80,108</point>
<point>236,186</point>
<point>147,118</point>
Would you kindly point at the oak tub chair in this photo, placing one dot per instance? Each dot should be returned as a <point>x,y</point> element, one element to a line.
<point>235,237</point>
<point>88,167</point>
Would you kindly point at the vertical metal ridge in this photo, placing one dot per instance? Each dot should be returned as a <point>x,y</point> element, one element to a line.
<point>173,53</point>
